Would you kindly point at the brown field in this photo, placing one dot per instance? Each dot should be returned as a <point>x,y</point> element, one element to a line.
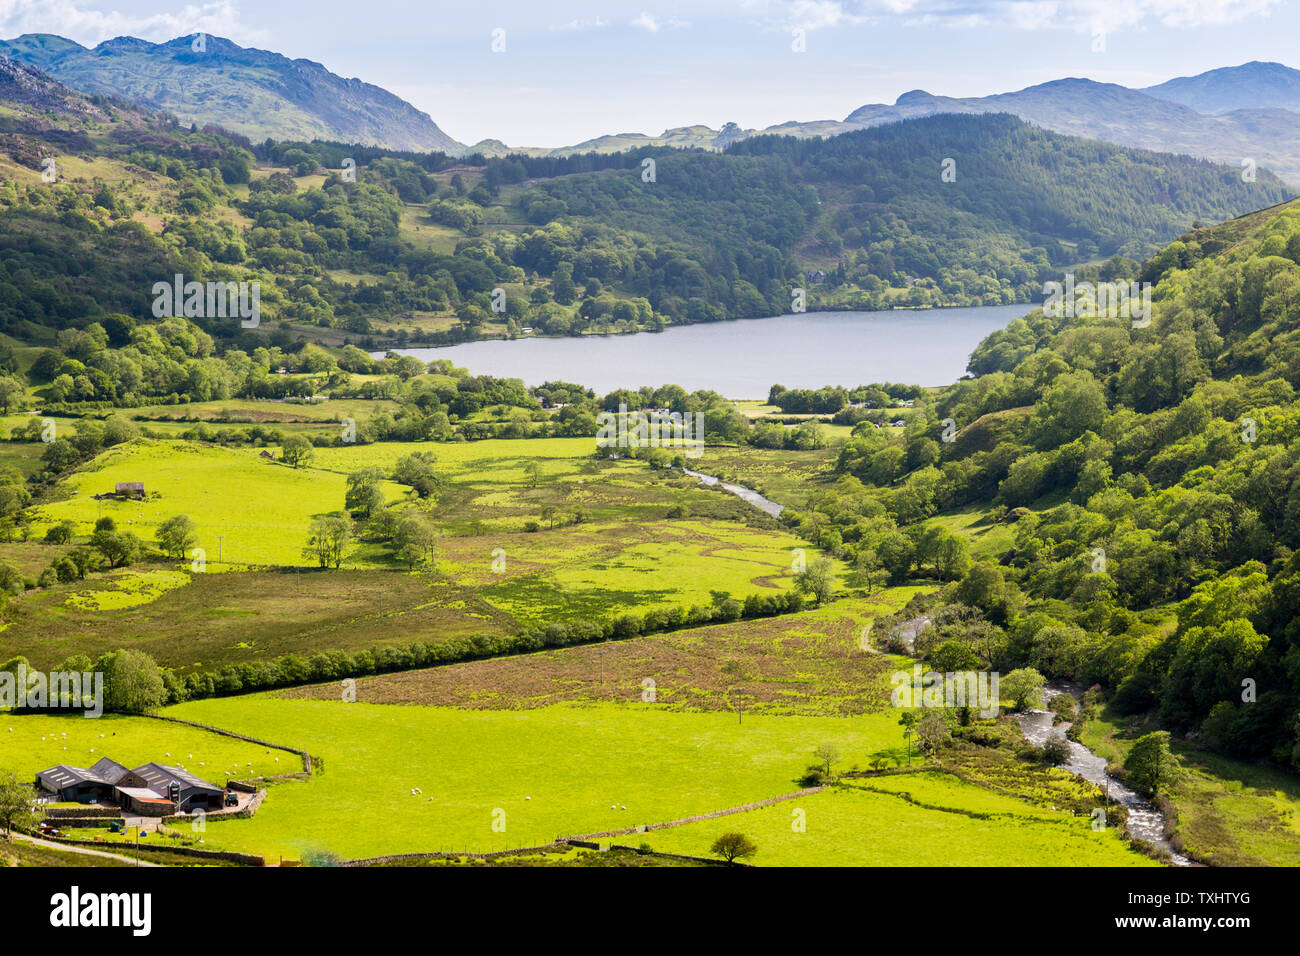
<point>211,621</point>
<point>806,663</point>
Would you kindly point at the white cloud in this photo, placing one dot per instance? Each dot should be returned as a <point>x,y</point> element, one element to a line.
<point>73,20</point>
<point>652,24</point>
<point>1017,14</point>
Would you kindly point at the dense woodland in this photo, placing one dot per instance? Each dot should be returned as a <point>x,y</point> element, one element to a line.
<point>1163,470</point>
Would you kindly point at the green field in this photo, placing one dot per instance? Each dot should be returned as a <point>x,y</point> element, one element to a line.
<point>959,825</point>
<point>249,511</point>
<point>604,570</point>
<point>30,743</point>
<point>554,771</point>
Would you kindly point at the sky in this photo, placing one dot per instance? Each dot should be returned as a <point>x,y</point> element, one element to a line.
<point>542,73</point>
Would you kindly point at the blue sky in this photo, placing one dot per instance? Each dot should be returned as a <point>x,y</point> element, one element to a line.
<point>574,70</point>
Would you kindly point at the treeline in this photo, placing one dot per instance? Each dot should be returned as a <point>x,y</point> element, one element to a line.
<point>134,683</point>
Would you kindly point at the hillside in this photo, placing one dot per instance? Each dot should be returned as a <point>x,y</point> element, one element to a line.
<point>1225,115</point>
<point>413,249</point>
<point>1147,484</point>
<point>1116,114</point>
<point>256,93</point>
<point>1250,86</point>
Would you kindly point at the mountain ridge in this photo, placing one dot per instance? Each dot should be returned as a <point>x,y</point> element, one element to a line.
<point>260,94</point>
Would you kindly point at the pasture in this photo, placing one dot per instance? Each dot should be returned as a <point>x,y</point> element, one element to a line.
<point>552,771</point>
<point>30,743</point>
<point>249,511</point>
<point>861,823</point>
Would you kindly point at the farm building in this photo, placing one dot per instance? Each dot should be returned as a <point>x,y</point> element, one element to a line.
<point>150,790</point>
<point>108,769</point>
<point>131,489</point>
<point>74,784</point>
<point>178,786</point>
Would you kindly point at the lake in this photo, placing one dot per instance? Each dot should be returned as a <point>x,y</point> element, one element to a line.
<point>743,359</point>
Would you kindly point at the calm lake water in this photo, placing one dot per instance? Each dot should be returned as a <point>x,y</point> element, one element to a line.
<point>744,359</point>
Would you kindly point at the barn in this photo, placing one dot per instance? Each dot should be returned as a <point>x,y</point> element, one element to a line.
<point>151,790</point>
<point>172,784</point>
<point>75,784</point>
<point>130,489</point>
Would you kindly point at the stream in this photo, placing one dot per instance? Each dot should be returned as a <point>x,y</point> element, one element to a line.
<point>746,494</point>
<point>1145,821</point>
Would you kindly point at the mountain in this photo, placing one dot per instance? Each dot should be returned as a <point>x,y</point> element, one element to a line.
<point>1250,86</point>
<point>27,90</point>
<point>1117,114</point>
<point>1225,115</point>
<point>253,92</point>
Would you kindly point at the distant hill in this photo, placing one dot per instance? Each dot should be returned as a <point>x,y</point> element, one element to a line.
<point>1123,116</point>
<point>1251,86</point>
<point>1225,115</point>
<point>253,92</point>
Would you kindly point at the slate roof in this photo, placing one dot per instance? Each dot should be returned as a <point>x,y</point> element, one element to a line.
<point>64,776</point>
<point>108,770</point>
<point>158,777</point>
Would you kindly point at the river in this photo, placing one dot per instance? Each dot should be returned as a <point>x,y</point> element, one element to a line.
<point>1145,821</point>
<point>743,359</point>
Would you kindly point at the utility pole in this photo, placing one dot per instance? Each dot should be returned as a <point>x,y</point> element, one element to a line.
<point>220,537</point>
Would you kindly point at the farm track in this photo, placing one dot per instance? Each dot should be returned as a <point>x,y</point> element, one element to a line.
<point>67,848</point>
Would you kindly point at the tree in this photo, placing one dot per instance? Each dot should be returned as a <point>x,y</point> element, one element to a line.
<point>59,456</point>
<point>365,492</point>
<point>549,514</point>
<point>297,450</point>
<point>329,540</point>
<point>827,755</point>
<point>1024,687</point>
<point>1150,765</point>
<point>119,548</point>
<point>416,471</point>
<point>908,722</point>
<point>18,807</point>
<point>177,535</point>
<point>817,579</point>
<point>12,392</point>
<point>133,684</point>
<point>85,559</point>
<point>534,471</point>
<point>1056,751</point>
<point>734,846</point>
<point>414,538</point>
<point>60,533</point>
<point>933,730</point>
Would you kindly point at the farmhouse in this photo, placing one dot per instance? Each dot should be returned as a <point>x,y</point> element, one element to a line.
<point>150,790</point>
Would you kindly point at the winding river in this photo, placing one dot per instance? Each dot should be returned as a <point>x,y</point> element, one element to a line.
<point>747,494</point>
<point>1145,821</point>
